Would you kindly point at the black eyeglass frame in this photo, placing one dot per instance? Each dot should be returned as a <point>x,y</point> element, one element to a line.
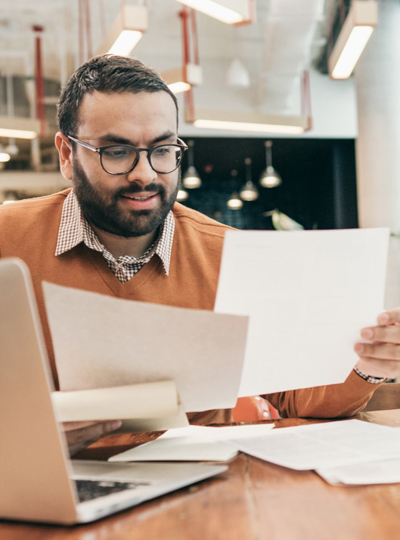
<point>101,149</point>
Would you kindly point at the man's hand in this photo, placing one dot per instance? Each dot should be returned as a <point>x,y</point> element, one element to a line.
<point>381,357</point>
<point>81,434</point>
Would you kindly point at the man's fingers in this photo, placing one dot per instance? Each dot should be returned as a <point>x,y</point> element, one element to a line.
<point>72,426</point>
<point>382,351</point>
<point>391,316</point>
<point>383,334</point>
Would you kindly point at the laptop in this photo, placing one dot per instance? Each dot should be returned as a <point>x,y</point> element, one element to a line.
<point>38,481</point>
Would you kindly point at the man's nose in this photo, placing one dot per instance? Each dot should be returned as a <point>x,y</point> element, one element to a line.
<point>142,172</point>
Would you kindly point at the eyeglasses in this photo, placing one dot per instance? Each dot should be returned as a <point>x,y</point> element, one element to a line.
<point>123,158</point>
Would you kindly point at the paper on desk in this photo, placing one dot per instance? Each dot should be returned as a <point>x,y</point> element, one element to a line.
<point>142,407</point>
<point>373,472</point>
<point>326,445</point>
<point>101,341</point>
<point>308,294</point>
<point>194,443</point>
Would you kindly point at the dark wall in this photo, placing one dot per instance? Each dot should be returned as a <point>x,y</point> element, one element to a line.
<point>318,187</point>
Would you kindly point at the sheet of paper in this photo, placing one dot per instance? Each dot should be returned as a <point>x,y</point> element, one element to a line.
<point>142,407</point>
<point>320,446</point>
<point>194,443</point>
<point>223,433</point>
<point>308,294</point>
<point>373,472</point>
<point>101,341</point>
<point>149,400</point>
<point>155,424</point>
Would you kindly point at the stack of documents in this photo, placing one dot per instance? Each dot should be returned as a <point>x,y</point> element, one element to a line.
<point>346,452</point>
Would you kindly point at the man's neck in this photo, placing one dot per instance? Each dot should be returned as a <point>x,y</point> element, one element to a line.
<point>119,246</point>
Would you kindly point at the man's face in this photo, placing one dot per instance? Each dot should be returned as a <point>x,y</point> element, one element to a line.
<point>136,203</point>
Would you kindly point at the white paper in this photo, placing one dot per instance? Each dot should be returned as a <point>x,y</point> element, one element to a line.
<point>374,472</point>
<point>194,443</point>
<point>101,341</point>
<point>141,407</point>
<point>151,400</point>
<point>320,446</point>
<point>308,294</point>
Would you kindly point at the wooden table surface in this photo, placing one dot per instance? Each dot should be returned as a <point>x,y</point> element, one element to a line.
<point>253,500</point>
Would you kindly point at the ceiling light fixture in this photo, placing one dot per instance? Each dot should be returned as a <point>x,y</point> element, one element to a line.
<point>19,127</point>
<point>183,195</point>
<point>235,202</point>
<point>190,74</point>
<point>354,35</point>
<point>10,197</point>
<point>252,121</point>
<point>183,78</point>
<point>249,192</point>
<point>191,179</point>
<point>270,178</point>
<point>4,156</point>
<point>227,11</point>
<point>237,75</point>
<point>126,31</point>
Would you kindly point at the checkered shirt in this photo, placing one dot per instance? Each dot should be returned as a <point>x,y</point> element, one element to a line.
<point>74,229</point>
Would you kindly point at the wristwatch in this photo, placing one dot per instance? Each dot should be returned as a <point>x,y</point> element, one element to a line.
<point>369,378</point>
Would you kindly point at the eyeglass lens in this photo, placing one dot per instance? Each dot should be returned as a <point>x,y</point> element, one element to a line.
<point>120,159</point>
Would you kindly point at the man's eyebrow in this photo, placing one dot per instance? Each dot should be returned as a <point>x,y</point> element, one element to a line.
<point>110,137</point>
<point>164,137</point>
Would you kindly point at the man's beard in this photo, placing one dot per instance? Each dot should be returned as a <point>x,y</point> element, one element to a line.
<point>108,216</point>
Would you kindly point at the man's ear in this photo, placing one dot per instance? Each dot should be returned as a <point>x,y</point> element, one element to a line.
<point>63,145</point>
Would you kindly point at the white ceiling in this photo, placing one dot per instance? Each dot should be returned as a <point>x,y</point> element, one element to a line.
<point>275,49</point>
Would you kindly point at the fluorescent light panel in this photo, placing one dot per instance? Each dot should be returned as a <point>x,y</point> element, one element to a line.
<point>126,42</point>
<point>256,122</point>
<point>19,127</point>
<point>181,80</point>
<point>353,37</point>
<point>126,31</point>
<point>227,11</point>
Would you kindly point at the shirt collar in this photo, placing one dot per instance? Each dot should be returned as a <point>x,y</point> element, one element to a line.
<point>74,229</point>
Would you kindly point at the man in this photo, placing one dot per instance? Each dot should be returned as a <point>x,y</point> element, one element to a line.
<point>119,231</point>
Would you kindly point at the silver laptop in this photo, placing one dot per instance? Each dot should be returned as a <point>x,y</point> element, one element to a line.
<point>38,481</point>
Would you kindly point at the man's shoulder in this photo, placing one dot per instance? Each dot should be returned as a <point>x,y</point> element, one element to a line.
<point>32,208</point>
<point>198,222</point>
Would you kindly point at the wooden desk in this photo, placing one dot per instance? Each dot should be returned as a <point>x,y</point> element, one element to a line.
<point>254,500</point>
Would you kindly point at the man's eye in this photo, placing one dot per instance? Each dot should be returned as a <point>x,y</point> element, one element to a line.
<point>162,151</point>
<point>119,152</point>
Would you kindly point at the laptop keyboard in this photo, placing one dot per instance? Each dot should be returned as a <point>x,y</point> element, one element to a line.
<point>93,489</point>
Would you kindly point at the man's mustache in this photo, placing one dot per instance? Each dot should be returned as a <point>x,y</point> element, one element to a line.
<point>138,188</point>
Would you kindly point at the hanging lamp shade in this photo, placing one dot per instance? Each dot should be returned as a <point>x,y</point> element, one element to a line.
<point>191,179</point>
<point>183,195</point>
<point>269,178</point>
<point>237,75</point>
<point>249,192</point>
<point>235,202</point>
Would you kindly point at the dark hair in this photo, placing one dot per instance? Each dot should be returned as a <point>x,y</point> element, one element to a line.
<point>106,73</point>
